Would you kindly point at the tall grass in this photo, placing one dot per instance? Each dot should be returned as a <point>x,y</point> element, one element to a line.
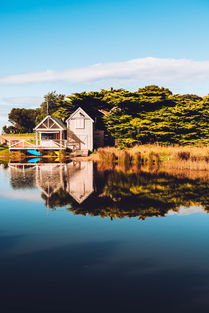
<point>106,155</point>
<point>155,156</point>
<point>124,158</point>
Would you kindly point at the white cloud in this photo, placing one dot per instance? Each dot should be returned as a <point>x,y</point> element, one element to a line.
<point>144,69</point>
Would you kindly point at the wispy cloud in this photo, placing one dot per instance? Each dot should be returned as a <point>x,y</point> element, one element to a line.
<point>23,101</point>
<point>144,69</point>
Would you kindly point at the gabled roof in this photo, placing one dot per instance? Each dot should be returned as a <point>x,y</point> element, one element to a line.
<point>59,121</point>
<point>76,111</point>
<point>56,120</point>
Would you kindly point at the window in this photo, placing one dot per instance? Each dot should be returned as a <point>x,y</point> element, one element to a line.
<point>48,136</point>
<point>79,123</point>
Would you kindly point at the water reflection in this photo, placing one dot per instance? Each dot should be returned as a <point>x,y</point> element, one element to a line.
<point>85,189</point>
<point>80,180</point>
<point>52,261</point>
<point>56,181</point>
<point>22,176</point>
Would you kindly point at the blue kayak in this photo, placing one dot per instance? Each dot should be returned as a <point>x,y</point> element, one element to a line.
<point>35,160</point>
<point>34,152</point>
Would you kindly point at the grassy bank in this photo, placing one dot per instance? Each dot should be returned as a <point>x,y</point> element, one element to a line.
<point>173,157</point>
<point>148,157</point>
<point>4,151</point>
<point>20,135</point>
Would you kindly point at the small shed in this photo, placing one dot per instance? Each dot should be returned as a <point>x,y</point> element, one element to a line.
<point>80,130</point>
<point>51,133</point>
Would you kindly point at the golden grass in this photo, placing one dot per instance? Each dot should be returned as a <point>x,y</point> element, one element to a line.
<point>170,157</point>
<point>7,155</point>
<point>193,153</point>
<point>16,156</point>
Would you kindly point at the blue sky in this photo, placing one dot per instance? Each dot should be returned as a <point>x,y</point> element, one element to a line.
<point>71,46</point>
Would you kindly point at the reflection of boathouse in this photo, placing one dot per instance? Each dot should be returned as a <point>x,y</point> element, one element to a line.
<point>50,177</point>
<point>80,180</point>
<point>22,175</point>
<point>75,179</point>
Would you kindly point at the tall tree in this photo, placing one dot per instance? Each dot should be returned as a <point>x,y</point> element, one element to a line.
<point>9,129</point>
<point>51,104</point>
<point>23,119</point>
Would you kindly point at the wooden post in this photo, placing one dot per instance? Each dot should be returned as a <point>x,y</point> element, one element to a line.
<point>60,138</point>
<point>36,139</point>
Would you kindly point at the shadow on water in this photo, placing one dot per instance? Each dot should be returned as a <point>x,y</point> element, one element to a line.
<point>87,189</point>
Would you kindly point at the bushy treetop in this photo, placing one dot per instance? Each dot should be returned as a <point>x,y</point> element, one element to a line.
<point>150,114</point>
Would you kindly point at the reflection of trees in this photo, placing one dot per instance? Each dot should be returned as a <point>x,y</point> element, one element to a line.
<point>57,199</point>
<point>116,194</point>
<point>149,194</point>
<point>119,195</point>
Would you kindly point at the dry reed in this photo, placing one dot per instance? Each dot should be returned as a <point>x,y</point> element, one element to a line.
<point>176,157</point>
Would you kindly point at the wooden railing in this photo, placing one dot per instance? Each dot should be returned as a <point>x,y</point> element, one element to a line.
<point>40,144</point>
<point>17,144</point>
<point>53,143</point>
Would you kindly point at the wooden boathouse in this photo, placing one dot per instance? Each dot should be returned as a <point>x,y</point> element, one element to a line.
<point>79,132</point>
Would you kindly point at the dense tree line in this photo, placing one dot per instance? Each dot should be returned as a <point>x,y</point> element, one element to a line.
<point>150,114</point>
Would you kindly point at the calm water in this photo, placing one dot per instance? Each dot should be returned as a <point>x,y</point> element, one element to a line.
<point>75,238</point>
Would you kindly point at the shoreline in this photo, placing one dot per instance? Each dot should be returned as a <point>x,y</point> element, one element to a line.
<point>150,156</point>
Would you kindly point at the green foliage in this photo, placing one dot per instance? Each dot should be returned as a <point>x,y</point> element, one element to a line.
<point>52,103</point>
<point>23,120</point>
<point>149,115</point>
<point>161,117</point>
<point>9,129</point>
<point>181,124</point>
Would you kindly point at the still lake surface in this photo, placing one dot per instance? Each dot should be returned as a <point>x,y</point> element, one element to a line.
<point>77,238</point>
